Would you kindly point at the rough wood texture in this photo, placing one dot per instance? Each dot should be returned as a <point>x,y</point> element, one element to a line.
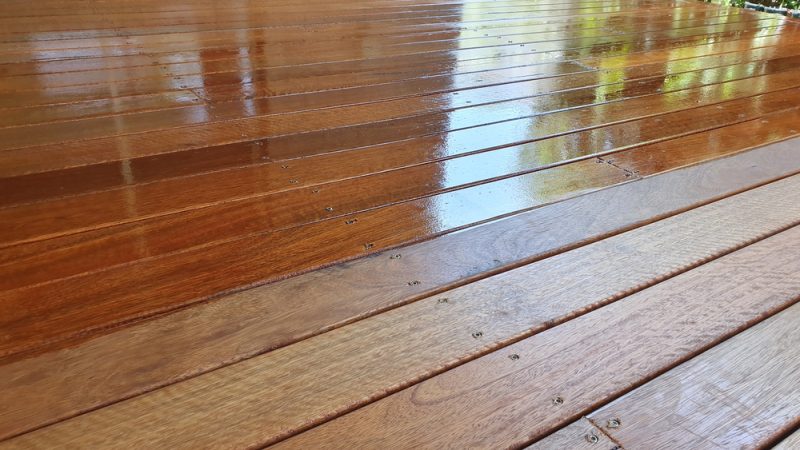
<point>321,377</point>
<point>580,435</point>
<point>790,443</point>
<point>742,393</point>
<point>586,361</point>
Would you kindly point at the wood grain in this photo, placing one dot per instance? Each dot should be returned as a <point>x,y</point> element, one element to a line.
<point>742,393</point>
<point>579,435</point>
<point>488,392</point>
<point>790,443</point>
<point>586,361</point>
<point>250,317</point>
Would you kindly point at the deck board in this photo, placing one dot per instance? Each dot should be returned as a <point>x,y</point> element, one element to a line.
<point>740,394</point>
<point>250,184</point>
<point>397,347</point>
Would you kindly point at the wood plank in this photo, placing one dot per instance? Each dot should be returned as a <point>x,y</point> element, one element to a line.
<point>30,115</point>
<point>350,127</point>
<point>93,58</point>
<point>401,66</point>
<point>54,258</point>
<point>586,361</point>
<point>145,178</point>
<point>742,393</point>
<point>252,322</point>
<point>790,443</point>
<point>501,399</point>
<point>579,435</point>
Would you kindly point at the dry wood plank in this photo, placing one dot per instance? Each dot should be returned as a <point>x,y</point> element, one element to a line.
<point>254,321</point>
<point>502,400</point>
<point>790,443</point>
<point>586,361</point>
<point>742,393</point>
<point>579,435</point>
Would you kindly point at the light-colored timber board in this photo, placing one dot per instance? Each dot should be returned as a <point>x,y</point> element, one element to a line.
<point>579,435</point>
<point>792,442</point>
<point>502,401</point>
<point>740,394</point>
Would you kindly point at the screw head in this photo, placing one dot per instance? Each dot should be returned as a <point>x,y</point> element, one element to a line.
<point>443,300</point>
<point>592,438</point>
<point>329,208</point>
<point>558,401</point>
<point>613,423</point>
<point>477,334</point>
<point>513,357</point>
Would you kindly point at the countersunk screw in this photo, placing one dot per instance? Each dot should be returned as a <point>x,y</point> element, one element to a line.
<point>477,334</point>
<point>293,181</point>
<point>368,245</point>
<point>592,438</point>
<point>513,357</point>
<point>613,423</point>
<point>396,256</point>
<point>558,401</point>
<point>443,300</point>
<point>329,208</point>
<point>413,283</point>
<point>350,221</point>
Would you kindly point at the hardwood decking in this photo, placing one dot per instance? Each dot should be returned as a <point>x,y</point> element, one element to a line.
<point>398,224</point>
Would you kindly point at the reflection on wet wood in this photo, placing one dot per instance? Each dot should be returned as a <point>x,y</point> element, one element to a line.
<point>166,166</point>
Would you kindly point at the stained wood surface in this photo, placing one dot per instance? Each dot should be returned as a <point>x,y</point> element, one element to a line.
<point>239,182</point>
<point>255,321</point>
<point>364,361</point>
<point>742,393</point>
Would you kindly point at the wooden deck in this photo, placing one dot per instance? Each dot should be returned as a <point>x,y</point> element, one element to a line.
<point>398,224</point>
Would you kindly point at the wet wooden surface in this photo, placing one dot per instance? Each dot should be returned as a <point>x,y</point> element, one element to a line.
<point>259,180</point>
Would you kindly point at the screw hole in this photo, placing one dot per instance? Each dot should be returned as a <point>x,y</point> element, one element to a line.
<point>477,334</point>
